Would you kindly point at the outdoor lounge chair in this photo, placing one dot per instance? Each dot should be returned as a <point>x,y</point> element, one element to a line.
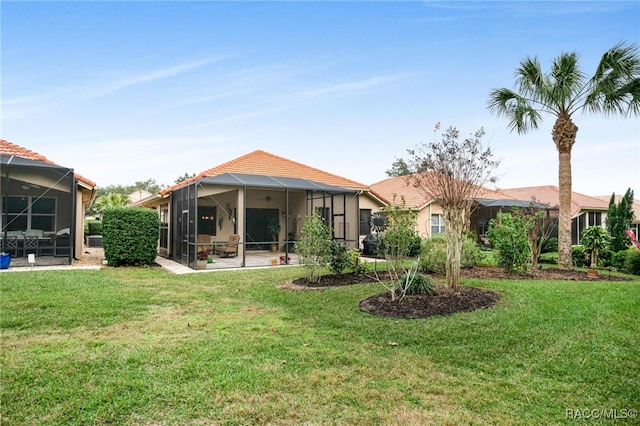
<point>204,243</point>
<point>230,248</point>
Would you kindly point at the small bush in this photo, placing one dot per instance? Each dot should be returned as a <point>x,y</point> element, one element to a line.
<point>632,262</point>
<point>130,236</point>
<point>420,284</point>
<point>550,245</point>
<point>313,247</point>
<point>434,254</point>
<point>509,238</point>
<point>488,258</point>
<point>93,227</point>
<point>415,246</point>
<point>340,259</point>
<point>579,257</point>
<point>356,264</point>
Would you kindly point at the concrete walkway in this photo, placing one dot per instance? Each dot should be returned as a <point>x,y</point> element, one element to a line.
<point>174,267</point>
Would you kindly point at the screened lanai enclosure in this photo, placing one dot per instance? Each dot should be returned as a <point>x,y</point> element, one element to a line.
<point>239,220</point>
<point>38,211</point>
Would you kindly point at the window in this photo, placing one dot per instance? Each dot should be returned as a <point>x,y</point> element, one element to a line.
<point>437,224</point>
<point>31,213</point>
<point>365,222</point>
<point>580,223</point>
<point>207,220</point>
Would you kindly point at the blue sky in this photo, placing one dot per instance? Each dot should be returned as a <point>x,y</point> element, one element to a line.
<point>127,91</point>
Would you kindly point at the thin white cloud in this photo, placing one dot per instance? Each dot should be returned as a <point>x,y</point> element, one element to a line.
<point>25,106</point>
<point>252,114</point>
<point>148,77</point>
<point>20,107</point>
<point>353,86</point>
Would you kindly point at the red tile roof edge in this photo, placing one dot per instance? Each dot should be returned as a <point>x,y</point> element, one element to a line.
<point>10,148</point>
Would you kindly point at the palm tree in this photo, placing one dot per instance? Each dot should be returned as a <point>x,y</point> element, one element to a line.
<point>112,199</point>
<point>614,89</point>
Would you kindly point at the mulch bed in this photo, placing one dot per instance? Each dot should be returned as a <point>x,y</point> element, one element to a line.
<point>447,301</point>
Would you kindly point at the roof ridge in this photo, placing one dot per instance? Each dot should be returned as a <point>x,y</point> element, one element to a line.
<point>257,154</point>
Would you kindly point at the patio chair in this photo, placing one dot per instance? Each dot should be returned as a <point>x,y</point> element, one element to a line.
<point>204,243</point>
<point>12,245</point>
<point>230,248</point>
<point>30,244</point>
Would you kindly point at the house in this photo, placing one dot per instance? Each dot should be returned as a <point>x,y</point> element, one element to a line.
<point>42,206</point>
<point>635,224</point>
<point>585,210</point>
<point>429,210</point>
<point>263,198</point>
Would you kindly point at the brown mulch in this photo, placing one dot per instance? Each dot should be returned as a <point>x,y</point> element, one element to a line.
<point>447,301</point>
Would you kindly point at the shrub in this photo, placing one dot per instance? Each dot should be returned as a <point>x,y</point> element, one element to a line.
<point>433,255</point>
<point>93,227</point>
<point>415,245</point>
<point>356,264</point>
<point>313,247</point>
<point>578,256</point>
<point>419,284</point>
<point>632,263</point>
<point>399,236</point>
<point>595,241</point>
<point>509,238</point>
<point>471,252</point>
<point>340,259</point>
<point>130,236</point>
<point>550,245</point>
<point>617,259</point>
<point>488,258</point>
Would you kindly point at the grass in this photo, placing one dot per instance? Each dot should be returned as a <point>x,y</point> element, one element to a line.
<point>142,346</point>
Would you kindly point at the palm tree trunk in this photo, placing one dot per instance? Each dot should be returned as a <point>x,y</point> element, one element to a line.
<point>564,224</point>
<point>564,136</point>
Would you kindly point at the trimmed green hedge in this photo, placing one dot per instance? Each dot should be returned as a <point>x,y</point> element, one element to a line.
<point>93,227</point>
<point>130,236</point>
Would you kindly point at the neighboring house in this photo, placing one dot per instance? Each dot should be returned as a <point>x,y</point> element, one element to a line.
<point>264,199</point>
<point>585,210</point>
<point>429,211</point>
<point>42,206</point>
<point>635,224</point>
<point>138,195</point>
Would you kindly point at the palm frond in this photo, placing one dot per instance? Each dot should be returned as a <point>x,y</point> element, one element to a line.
<point>615,86</point>
<point>566,81</point>
<point>518,110</point>
<point>530,79</point>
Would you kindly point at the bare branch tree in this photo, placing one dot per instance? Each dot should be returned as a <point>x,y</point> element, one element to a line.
<point>540,220</point>
<point>453,172</point>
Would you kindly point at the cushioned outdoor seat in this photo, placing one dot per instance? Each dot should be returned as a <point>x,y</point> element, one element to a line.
<point>230,248</point>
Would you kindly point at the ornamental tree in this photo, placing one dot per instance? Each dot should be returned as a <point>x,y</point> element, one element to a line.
<point>453,173</point>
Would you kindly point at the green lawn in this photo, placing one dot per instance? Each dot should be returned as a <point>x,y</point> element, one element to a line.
<point>142,346</point>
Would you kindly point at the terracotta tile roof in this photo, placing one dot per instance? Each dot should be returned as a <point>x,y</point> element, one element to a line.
<point>636,205</point>
<point>8,148</point>
<point>550,194</point>
<point>266,164</point>
<point>417,198</point>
